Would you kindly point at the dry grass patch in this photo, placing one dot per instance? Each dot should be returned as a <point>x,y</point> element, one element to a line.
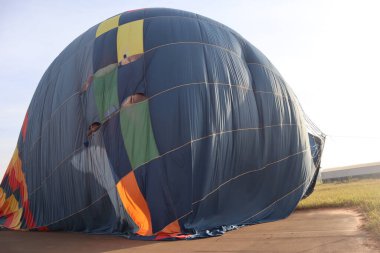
<point>363,195</point>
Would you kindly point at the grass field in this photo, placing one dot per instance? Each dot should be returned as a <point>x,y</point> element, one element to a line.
<point>363,195</point>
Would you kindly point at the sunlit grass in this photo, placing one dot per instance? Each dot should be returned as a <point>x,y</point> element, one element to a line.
<point>363,195</point>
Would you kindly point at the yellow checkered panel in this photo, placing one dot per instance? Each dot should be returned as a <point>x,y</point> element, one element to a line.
<point>130,39</point>
<point>107,25</point>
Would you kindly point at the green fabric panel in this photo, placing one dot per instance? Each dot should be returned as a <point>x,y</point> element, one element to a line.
<point>105,91</point>
<point>137,132</point>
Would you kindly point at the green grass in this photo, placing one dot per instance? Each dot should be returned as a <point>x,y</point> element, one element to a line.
<point>363,195</point>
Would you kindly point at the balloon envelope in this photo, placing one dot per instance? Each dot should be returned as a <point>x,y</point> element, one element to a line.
<point>159,124</point>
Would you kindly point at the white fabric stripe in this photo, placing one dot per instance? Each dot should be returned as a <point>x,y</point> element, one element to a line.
<point>111,188</point>
<point>164,45</point>
<point>168,152</point>
<point>214,134</point>
<point>274,202</point>
<point>247,172</point>
<point>51,116</point>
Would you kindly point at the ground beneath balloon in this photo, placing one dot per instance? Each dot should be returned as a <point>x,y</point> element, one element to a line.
<point>323,230</point>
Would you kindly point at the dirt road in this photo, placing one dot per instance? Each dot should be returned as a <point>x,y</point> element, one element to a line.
<point>328,230</point>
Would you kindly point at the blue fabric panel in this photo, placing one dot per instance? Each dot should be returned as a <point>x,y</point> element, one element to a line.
<point>92,220</point>
<point>170,124</point>
<point>262,195</point>
<point>225,67</point>
<point>105,52</point>
<point>130,79</point>
<point>169,29</point>
<point>174,65</point>
<point>221,37</point>
<point>159,12</point>
<point>253,55</point>
<point>131,16</point>
<point>115,147</point>
<point>166,184</point>
<point>178,124</point>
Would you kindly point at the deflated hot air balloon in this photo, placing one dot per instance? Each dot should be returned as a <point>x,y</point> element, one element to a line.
<point>159,124</point>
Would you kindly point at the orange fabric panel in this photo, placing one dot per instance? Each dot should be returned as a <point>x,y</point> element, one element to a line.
<point>172,228</point>
<point>9,206</point>
<point>24,126</point>
<point>135,203</point>
<point>16,178</point>
<point>2,197</point>
<point>16,209</point>
<point>14,220</point>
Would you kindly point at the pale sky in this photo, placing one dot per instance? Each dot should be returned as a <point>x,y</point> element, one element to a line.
<point>327,51</point>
